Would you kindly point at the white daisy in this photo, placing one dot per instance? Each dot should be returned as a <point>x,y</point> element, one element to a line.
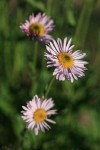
<point>38,26</point>
<point>37,113</point>
<point>68,64</point>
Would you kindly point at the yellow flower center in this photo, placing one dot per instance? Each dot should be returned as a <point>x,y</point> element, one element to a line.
<point>37,29</point>
<point>39,115</point>
<point>65,59</point>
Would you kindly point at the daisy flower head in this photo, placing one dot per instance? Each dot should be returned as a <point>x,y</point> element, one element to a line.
<point>38,26</point>
<point>37,113</point>
<point>68,64</point>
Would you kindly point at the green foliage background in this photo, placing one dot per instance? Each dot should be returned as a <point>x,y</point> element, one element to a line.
<point>78,104</point>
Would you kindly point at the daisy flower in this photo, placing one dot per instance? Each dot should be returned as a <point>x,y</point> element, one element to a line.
<point>37,113</point>
<point>38,26</point>
<point>68,64</point>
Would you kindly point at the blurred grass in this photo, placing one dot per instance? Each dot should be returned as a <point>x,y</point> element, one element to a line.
<point>78,104</point>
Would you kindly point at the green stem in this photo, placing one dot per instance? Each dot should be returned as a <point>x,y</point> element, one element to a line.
<point>7,60</point>
<point>22,137</point>
<point>33,67</point>
<point>83,24</point>
<point>49,7</point>
<point>35,53</point>
<point>49,87</point>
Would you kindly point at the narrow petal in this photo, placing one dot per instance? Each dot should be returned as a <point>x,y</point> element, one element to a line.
<point>51,121</point>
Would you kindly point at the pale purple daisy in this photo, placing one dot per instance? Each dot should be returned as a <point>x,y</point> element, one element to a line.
<point>38,26</point>
<point>37,113</point>
<point>68,64</point>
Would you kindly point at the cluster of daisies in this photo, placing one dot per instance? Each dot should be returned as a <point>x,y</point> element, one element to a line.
<point>59,54</point>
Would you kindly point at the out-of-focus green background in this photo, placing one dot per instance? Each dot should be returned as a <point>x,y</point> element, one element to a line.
<point>78,104</point>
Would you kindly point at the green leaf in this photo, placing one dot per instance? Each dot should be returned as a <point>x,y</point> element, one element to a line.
<point>37,5</point>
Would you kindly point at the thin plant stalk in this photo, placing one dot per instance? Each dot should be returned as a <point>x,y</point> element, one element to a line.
<point>49,7</point>
<point>35,54</point>
<point>49,85</point>
<point>83,23</point>
<point>33,67</point>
